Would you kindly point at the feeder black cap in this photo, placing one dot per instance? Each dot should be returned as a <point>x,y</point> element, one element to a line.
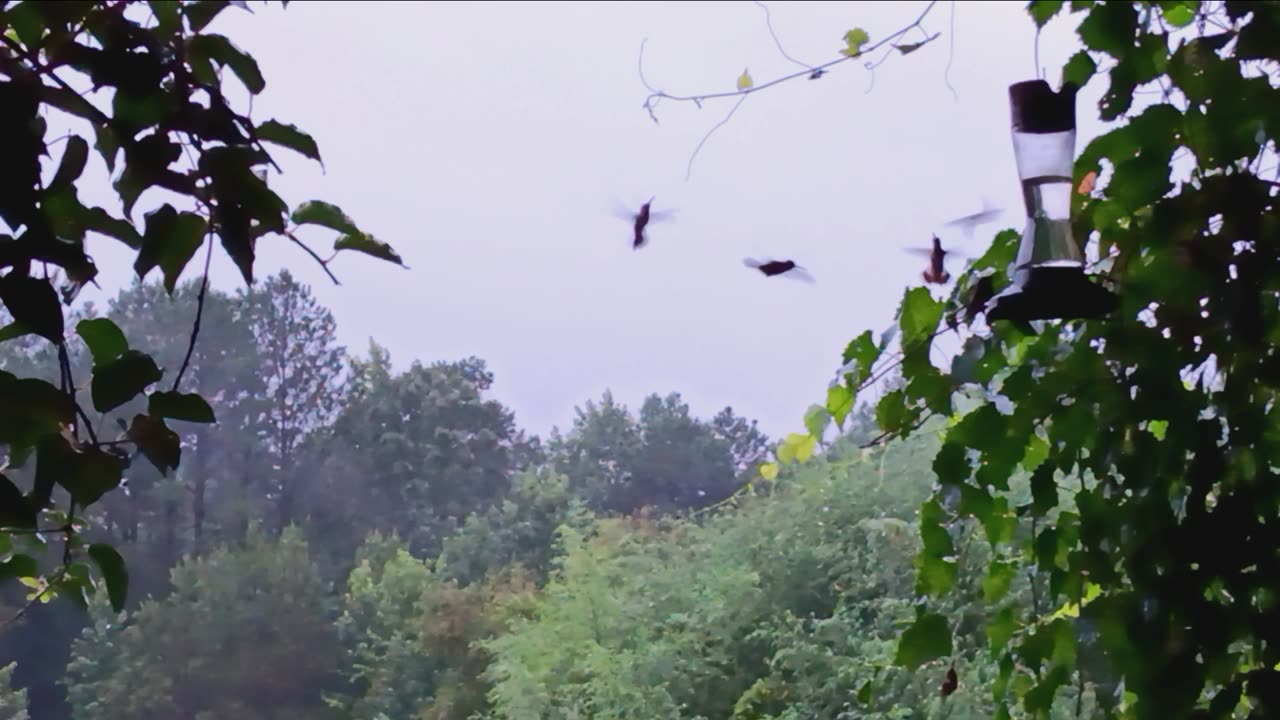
<point>1036,108</point>
<point>1052,293</point>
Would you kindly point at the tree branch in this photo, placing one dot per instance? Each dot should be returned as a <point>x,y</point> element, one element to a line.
<point>324,264</point>
<point>656,95</point>
<point>688,171</point>
<point>195,327</point>
<point>768,21</point>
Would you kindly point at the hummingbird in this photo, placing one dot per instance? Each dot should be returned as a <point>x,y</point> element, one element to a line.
<point>936,272</point>
<point>988,213</point>
<point>640,222</point>
<point>771,268</point>
<point>950,684</point>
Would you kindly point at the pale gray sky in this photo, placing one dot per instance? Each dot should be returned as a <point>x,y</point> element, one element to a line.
<point>490,142</point>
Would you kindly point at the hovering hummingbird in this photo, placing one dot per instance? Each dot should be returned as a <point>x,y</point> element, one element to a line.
<point>787,268</point>
<point>640,222</point>
<point>967,223</point>
<point>936,272</point>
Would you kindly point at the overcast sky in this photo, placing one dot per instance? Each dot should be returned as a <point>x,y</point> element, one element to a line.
<point>490,143</point>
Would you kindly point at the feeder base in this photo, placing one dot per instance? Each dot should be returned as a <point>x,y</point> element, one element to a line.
<point>1052,293</point>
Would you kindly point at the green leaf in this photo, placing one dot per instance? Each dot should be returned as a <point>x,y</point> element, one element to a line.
<point>1180,14</point>
<point>19,566</point>
<point>32,408</point>
<point>291,137</point>
<point>74,158</point>
<point>999,577</point>
<point>865,693</point>
<point>744,81</point>
<point>34,303</point>
<point>1110,28</point>
<point>89,474</point>
<point>221,50</point>
<point>950,465</point>
<point>854,40</point>
<point>202,12</point>
<point>918,316</point>
<point>105,340</point>
<point>170,241</point>
<point>860,356</point>
<point>892,414</point>
<point>1158,428</point>
<point>1037,452</point>
<point>13,331</point>
<point>369,245</point>
<point>928,639</point>
<point>156,441</point>
<point>1000,628</point>
<point>1079,69</point>
<point>1044,490</point>
<point>785,452</point>
<point>317,212</point>
<point>122,379</point>
<point>802,446</point>
<point>935,564</point>
<point>180,406</point>
<point>769,471</point>
<point>168,15</point>
<point>114,573</point>
<point>1042,11</point>
<point>839,402</point>
<point>816,420</point>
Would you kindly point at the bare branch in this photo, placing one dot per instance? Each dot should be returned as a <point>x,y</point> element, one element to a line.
<point>324,264</point>
<point>689,169</point>
<point>195,327</point>
<point>656,95</point>
<point>768,21</point>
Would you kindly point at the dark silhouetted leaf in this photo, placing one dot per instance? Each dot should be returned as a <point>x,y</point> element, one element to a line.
<point>19,566</point>
<point>114,573</point>
<point>224,52</point>
<point>171,239</point>
<point>74,157</point>
<point>180,406</point>
<point>317,212</point>
<point>15,510</point>
<point>156,441</point>
<point>122,379</point>
<point>369,245</point>
<point>99,221</point>
<point>90,474</point>
<point>32,408</point>
<point>34,303</point>
<point>291,137</point>
<point>928,639</point>
<point>202,12</point>
<point>104,338</point>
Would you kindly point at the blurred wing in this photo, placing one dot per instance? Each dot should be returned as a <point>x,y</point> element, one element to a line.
<point>657,216</point>
<point>924,252</point>
<point>799,273</point>
<point>754,263</point>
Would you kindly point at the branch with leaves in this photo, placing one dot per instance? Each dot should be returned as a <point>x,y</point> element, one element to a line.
<point>857,45</point>
<point>166,71</point>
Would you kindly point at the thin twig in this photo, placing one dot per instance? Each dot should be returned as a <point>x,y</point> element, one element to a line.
<point>324,264</point>
<point>57,577</point>
<point>698,99</point>
<point>768,21</point>
<point>195,327</point>
<point>649,103</point>
<point>689,169</point>
<point>951,52</point>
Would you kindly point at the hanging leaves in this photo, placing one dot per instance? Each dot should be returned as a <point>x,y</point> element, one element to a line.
<point>744,81</point>
<point>854,40</point>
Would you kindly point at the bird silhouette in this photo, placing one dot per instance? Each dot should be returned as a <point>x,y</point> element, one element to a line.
<point>936,273</point>
<point>786,268</point>
<point>641,221</point>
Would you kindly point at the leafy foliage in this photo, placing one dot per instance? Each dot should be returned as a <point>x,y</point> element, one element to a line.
<point>162,124</point>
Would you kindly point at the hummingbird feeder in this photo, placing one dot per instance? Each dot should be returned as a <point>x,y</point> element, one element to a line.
<point>1049,281</point>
